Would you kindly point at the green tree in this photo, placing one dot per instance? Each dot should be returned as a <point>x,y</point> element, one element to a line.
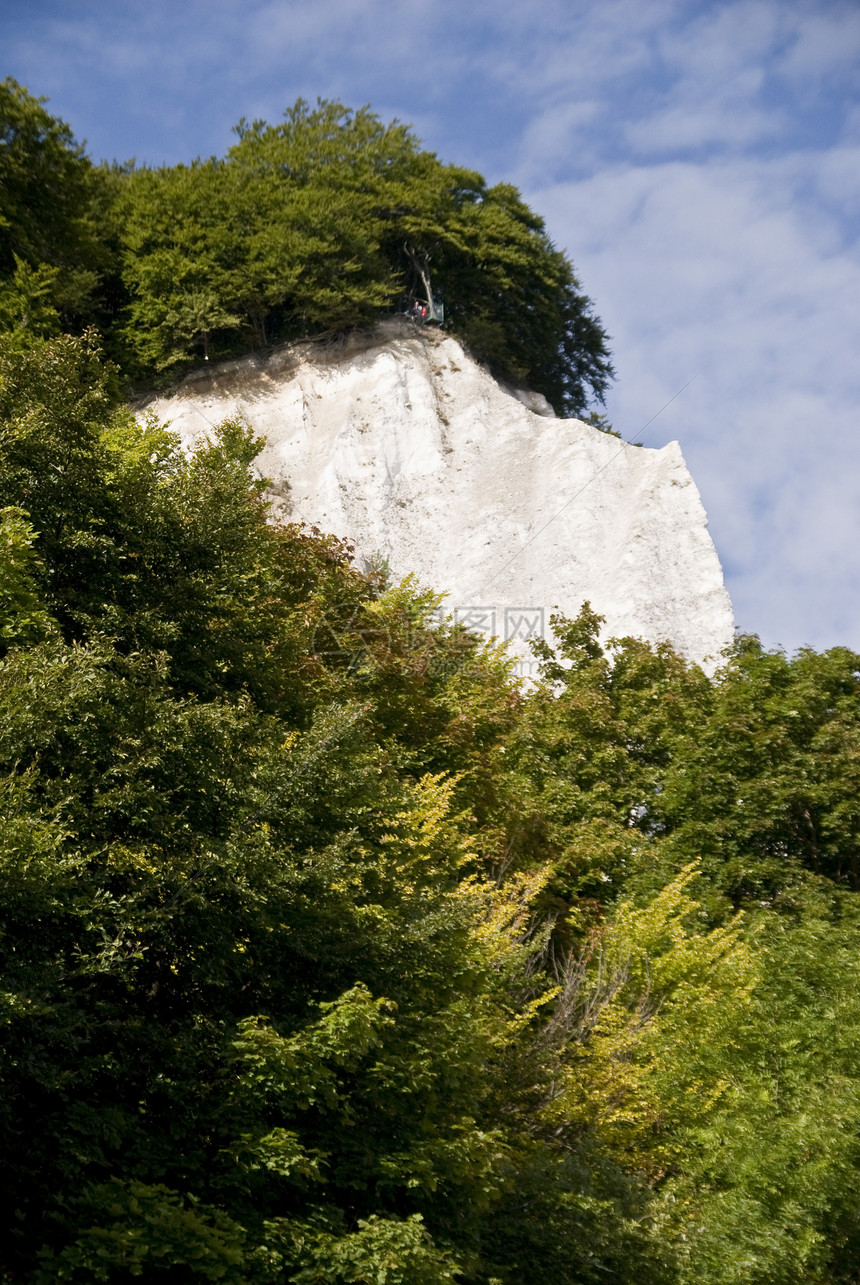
<point>25,300</point>
<point>310,194</point>
<point>50,196</point>
<point>23,618</point>
<point>768,785</point>
<point>323,222</point>
<point>252,980</point>
<point>177,261</point>
<point>508,292</point>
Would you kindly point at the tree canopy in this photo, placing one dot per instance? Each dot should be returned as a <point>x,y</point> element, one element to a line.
<point>330,955</point>
<point>324,222</point>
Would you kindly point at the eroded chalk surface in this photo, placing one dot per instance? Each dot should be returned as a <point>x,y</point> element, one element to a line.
<point>403,444</point>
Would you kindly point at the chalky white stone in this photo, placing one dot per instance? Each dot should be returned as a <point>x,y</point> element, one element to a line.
<point>402,443</point>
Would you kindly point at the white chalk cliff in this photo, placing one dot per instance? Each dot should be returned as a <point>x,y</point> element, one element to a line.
<point>402,443</point>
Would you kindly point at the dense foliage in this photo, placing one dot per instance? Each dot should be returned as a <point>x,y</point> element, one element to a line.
<point>327,954</point>
<point>327,221</point>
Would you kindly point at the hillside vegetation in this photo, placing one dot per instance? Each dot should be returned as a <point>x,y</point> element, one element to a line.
<point>330,955</point>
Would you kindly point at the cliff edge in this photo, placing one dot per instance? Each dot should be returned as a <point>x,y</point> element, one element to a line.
<point>400,442</point>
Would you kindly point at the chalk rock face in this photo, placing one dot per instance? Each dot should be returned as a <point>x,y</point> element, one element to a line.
<point>400,442</point>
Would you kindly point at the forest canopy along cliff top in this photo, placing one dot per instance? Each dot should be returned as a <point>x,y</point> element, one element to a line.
<point>324,221</point>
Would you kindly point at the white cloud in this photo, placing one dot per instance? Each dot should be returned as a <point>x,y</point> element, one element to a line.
<point>826,43</point>
<point>723,44</point>
<point>694,125</point>
<point>708,270</point>
<point>549,139</point>
<point>562,48</point>
<point>838,179</point>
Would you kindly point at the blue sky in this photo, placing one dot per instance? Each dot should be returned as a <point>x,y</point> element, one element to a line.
<point>699,162</point>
